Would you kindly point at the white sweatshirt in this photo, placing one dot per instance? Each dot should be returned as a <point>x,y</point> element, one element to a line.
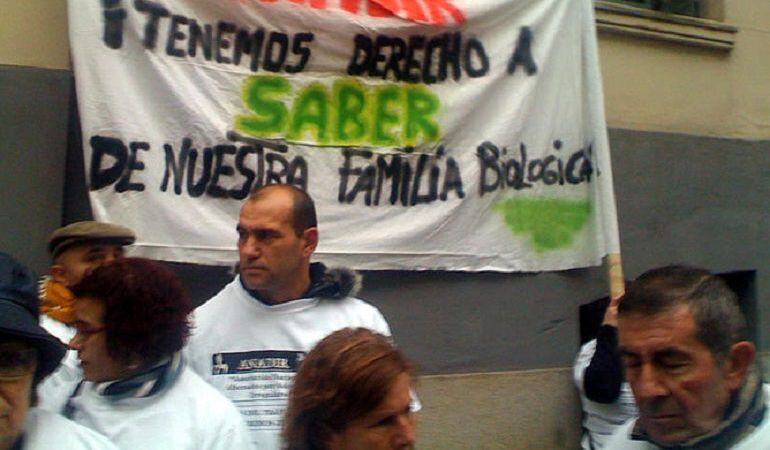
<point>250,351</point>
<point>188,415</point>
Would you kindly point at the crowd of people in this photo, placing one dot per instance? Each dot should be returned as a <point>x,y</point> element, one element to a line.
<point>106,352</point>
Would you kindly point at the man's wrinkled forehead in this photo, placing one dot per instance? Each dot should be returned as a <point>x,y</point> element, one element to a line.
<point>277,205</point>
<point>668,328</point>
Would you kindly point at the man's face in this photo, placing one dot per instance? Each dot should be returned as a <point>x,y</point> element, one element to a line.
<point>17,368</point>
<point>681,390</point>
<point>74,263</point>
<point>389,427</point>
<point>91,343</point>
<point>273,259</point>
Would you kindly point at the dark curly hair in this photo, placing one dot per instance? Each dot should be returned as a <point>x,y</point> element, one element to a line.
<point>146,308</point>
<point>346,376</point>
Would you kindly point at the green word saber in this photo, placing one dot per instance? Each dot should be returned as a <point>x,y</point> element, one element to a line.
<point>346,114</point>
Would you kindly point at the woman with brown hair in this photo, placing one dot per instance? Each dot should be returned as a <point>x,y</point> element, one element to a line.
<point>131,317</point>
<point>352,391</point>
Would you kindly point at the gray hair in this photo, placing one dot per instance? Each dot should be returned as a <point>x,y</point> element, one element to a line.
<point>719,321</point>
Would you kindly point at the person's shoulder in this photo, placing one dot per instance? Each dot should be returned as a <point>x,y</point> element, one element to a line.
<point>586,352</point>
<point>760,437</point>
<point>210,322</point>
<point>221,303</point>
<point>361,314</point>
<point>47,430</point>
<point>355,304</point>
<point>222,296</point>
<point>621,439</point>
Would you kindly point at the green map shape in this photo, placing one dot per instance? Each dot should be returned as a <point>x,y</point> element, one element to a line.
<point>552,223</point>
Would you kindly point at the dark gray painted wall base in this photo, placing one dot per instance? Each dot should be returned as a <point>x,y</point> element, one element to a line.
<point>33,140</point>
<point>696,200</point>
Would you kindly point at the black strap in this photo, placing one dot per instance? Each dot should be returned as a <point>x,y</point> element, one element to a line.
<point>69,408</point>
<point>19,444</point>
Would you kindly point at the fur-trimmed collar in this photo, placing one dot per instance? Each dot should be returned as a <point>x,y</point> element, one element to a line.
<point>335,283</point>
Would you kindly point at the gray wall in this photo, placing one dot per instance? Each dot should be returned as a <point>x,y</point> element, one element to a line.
<point>33,135</point>
<point>703,201</point>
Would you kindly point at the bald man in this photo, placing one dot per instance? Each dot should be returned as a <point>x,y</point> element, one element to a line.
<point>249,339</point>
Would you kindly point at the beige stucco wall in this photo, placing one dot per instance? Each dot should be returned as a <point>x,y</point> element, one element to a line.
<point>34,33</point>
<point>659,86</point>
<point>536,409</point>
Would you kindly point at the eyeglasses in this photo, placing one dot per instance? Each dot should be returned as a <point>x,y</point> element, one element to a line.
<point>16,360</point>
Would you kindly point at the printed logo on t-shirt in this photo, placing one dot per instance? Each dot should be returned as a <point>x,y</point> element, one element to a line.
<point>256,361</point>
<point>258,384</point>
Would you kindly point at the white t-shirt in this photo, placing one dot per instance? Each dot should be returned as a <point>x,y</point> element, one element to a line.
<point>601,419</point>
<point>250,351</point>
<point>44,430</point>
<point>59,330</point>
<point>188,415</point>
<point>56,388</point>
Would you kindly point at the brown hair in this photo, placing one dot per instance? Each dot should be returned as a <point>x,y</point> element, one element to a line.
<point>718,318</point>
<point>146,308</point>
<point>345,376</point>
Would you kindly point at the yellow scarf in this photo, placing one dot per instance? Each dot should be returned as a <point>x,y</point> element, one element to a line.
<point>56,301</point>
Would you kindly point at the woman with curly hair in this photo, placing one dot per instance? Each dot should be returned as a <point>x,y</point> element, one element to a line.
<point>352,391</point>
<point>131,318</point>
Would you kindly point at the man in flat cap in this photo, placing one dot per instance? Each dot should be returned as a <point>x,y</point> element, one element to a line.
<point>76,250</point>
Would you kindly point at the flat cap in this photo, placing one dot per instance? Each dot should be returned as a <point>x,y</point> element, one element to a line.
<point>89,231</point>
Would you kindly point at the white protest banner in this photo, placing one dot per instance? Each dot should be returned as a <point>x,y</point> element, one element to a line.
<point>432,134</point>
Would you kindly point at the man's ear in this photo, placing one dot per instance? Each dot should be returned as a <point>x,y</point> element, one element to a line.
<point>738,362</point>
<point>58,273</point>
<point>310,236</point>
